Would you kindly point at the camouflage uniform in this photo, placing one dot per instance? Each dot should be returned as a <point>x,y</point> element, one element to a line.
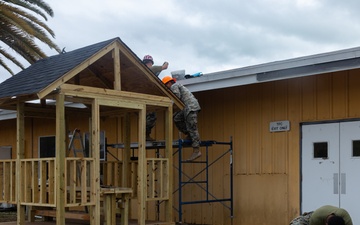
<point>151,116</point>
<point>150,122</point>
<point>186,120</point>
<point>156,70</point>
<point>303,219</point>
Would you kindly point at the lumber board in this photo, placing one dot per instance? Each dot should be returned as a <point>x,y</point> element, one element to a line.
<point>68,215</point>
<point>100,93</point>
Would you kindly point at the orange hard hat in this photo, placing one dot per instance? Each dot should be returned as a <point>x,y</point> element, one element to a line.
<point>167,79</point>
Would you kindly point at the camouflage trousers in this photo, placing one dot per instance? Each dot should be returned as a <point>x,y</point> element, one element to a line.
<point>303,219</point>
<point>187,124</point>
<point>150,122</point>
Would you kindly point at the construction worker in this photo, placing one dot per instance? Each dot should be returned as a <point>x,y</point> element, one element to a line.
<point>325,215</point>
<point>186,119</point>
<point>149,62</point>
<point>151,116</point>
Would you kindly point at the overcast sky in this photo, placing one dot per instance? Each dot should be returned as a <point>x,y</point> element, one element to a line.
<point>208,36</point>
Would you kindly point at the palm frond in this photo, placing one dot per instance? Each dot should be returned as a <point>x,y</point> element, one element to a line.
<point>11,58</point>
<point>19,29</point>
<point>5,66</point>
<point>29,5</point>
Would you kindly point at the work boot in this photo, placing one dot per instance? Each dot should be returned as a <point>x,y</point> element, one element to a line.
<point>196,154</point>
<point>148,138</point>
<point>187,137</point>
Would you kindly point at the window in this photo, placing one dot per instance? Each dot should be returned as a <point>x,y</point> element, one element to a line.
<point>5,152</point>
<point>47,147</point>
<point>102,145</point>
<point>356,148</point>
<point>321,150</point>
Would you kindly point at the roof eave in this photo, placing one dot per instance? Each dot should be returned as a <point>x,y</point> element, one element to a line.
<point>279,70</point>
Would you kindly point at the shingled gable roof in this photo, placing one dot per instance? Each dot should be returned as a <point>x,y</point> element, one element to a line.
<point>92,65</point>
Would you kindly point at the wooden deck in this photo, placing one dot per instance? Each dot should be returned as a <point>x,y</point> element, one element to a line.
<point>79,222</point>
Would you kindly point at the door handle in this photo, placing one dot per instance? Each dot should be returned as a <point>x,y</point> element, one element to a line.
<point>336,183</point>
<point>343,183</point>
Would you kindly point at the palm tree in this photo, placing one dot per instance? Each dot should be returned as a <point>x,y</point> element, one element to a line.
<point>19,29</point>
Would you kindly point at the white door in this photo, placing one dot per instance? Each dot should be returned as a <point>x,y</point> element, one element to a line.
<point>350,169</point>
<point>331,167</point>
<point>320,166</point>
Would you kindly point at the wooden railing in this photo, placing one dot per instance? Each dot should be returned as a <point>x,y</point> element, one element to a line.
<point>7,181</point>
<point>112,174</point>
<point>158,179</point>
<point>38,180</point>
<point>79,181</point>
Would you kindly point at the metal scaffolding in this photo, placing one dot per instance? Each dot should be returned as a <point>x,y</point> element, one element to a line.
<point>185,179</point>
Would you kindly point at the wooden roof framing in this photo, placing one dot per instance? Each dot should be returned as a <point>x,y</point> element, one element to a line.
<point>109,79</point>
<point>105,65</point>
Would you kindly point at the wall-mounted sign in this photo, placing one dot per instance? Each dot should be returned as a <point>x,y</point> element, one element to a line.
<point>278,126</point>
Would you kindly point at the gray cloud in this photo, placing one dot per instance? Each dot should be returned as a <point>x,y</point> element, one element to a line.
<point>210,35</point>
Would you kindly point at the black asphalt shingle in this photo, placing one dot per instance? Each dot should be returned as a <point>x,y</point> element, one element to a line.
<point>45,71</point>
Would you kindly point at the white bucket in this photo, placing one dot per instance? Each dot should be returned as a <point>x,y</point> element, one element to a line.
<point>178,74</point>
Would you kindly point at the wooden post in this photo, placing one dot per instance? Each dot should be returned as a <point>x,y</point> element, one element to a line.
<point>142,168</point>
<point>20,154</point>
<point>117,77</point>
<point>60,153</point>
<point>169,155</point>
<point>95,153</point>
<point>126,152</point>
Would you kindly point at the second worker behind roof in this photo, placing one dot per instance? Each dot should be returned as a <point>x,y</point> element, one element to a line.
<point>149,62</point>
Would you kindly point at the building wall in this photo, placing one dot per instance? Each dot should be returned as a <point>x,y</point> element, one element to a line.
<point>266,165</point>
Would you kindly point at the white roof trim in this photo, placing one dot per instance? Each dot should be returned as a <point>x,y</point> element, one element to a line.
<point>11,114</point>
<point>278,70</point>
<point>7,114</point>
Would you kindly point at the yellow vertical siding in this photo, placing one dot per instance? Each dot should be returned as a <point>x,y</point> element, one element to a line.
<point>293,146</point>
<point>354,93</point>
<point>339,95</point>
<point>258,152</point>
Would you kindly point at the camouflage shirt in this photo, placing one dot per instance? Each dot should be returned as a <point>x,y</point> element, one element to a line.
<point>156,70</point>
<point>189,100</point>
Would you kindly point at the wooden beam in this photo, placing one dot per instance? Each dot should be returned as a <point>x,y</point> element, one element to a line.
<point>169,155</point>
<point>117,75</point>
<point>91,92</point>
<point>76,70</point>
<point>119,103</point>
<point>95,172</point>
<point>142,184</point>
<point>60,153</point>
<point>20,154</point>
<point>126,173</point>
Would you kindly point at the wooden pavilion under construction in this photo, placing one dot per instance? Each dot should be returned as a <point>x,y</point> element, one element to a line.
<point>101,85</point>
